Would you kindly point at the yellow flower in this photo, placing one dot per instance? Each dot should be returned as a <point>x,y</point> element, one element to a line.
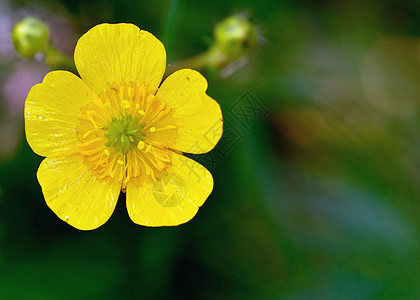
<point>116,129</point>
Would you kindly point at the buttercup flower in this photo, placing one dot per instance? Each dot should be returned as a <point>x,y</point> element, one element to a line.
<point>116,129</point>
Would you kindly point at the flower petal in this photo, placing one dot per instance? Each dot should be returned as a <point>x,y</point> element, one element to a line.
<point>74,194</point>
<point>112,53</point>
<point>199,117</point>
<point>173,198</point>
<point>52,109</point>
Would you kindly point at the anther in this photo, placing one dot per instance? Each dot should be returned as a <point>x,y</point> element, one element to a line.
<point>152,129</point>
<point>140,145</point>
<point>141,112</point>
<point>87,133</point>
<point>106,151</point>
<point>169,127</point>
<point>125,104</point>
<point>130,92</point>
<point>120,162</point>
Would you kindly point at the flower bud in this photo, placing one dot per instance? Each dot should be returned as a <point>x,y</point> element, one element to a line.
<point>30,36</point>
<point>235,37</point>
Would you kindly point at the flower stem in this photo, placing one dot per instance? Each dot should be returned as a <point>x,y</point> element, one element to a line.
<point>57,60</point>
<point>206,59</point>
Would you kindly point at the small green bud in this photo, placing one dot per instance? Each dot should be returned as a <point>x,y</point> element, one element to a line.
<point>235,37</point>
<point>30,36</point>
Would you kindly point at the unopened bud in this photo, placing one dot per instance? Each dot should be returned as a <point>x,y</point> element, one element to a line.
<point>235,37</point>
<point>30,36</point>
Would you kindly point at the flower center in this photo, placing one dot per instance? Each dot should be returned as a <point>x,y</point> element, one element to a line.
<point>126,135</point>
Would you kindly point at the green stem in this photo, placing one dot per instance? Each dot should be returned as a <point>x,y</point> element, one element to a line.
<point>57,60</point>
<point>201,61</point>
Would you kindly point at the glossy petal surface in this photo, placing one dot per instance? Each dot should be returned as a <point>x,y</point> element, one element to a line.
<point>109,54</point>
<point>198,117</point>
<point>74,195</point>
<point>173,198</point>
<point>52,109</point>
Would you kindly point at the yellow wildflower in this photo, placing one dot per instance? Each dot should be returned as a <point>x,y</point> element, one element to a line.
<point>115,129</point>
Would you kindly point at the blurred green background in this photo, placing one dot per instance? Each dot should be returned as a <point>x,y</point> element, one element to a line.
<point>317,177</point>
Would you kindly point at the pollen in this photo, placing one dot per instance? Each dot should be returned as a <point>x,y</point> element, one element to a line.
<point>125,104</point>
<point>141,145</point>
<point>113,139</point>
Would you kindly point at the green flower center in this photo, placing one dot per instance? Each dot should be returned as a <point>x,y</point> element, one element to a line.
<point>124,133</point>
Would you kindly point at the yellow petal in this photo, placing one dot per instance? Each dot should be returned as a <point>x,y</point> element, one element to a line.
<point>112,53</point>
<point>74,194</point>
<point>199,118</point>
<point>173,198</point>
<point>52,109</point>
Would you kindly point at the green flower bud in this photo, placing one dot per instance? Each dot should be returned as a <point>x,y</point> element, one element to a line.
<point>235,37</point>
<point>30,36</point>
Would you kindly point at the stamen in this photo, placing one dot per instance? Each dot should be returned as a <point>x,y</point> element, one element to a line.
<point>125,104</point>
<point>130,92</point>
<point>161,114</point>
<point>166,127</point>
<point>88,142</point>
<point>141,145</point>
<point>114,137</point>
<point>87,133</point>
<point>90,117</point>
<point>89,151</point>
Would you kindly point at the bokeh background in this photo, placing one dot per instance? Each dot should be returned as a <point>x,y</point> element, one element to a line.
<point>317,181</point>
